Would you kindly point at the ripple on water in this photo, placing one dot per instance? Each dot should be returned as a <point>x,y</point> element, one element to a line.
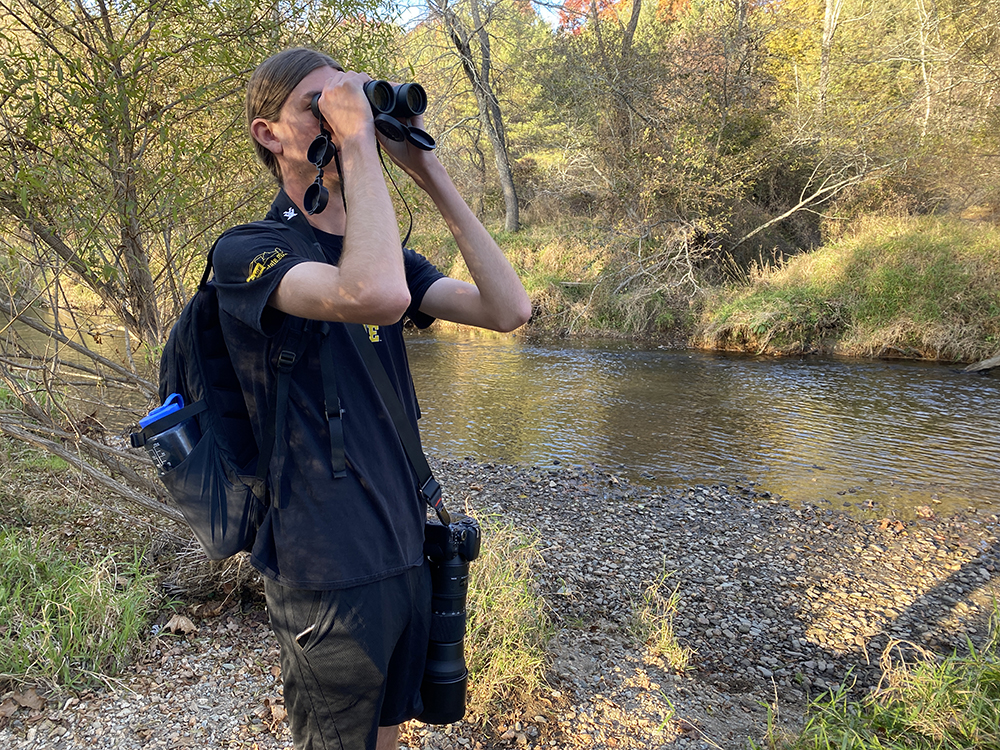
<point>896,434</point>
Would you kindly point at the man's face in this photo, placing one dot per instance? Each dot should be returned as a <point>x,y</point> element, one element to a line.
<point>297,126</point>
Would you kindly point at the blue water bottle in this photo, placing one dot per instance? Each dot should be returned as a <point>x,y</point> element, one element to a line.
<point>172,445</point>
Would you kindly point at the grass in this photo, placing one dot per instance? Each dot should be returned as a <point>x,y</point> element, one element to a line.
<point>507,627</point>
<point>582,278</point>
<point>75,589</point>
<point>920,286</point>
<point>653,623</point>
<point>76,593</point>
<point>950,703</point>
<point>65,620</point>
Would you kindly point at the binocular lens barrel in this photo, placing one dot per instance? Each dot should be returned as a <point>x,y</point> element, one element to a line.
<point>410,100</point>
<point>380,96</point>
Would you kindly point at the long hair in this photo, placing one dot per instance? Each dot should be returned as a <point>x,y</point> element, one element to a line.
<point>269,87</point>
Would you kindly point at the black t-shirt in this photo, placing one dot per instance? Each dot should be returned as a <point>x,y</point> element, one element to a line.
<point>329,532</point>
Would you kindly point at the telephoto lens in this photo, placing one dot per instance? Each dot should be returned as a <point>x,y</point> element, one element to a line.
<point>449,550</point>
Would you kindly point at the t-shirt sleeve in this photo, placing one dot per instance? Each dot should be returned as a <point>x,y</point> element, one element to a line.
<point>420,275</point>
<point>248,267</point>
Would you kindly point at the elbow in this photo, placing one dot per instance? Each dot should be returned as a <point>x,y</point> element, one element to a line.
<point>387,307</point>
<point>515,316</point>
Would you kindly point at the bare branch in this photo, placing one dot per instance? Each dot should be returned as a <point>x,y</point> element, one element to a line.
<point>87,468</point>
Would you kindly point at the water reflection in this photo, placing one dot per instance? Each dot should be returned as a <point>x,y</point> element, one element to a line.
<point>823,430</point>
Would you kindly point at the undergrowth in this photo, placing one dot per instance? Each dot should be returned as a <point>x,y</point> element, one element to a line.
<point>65,619</point>
<point>507,629</point>
<point>73,602</point>
<point>917,287</point>
<point>935,703</point>
<point>587,279</point>
<point>653,623</point>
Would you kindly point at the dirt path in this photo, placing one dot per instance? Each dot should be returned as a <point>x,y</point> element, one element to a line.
<point>778,603</point>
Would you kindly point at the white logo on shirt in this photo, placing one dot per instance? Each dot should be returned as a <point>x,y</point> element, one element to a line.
<point>290,214</point>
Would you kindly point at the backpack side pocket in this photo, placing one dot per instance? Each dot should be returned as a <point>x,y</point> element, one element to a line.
<point>222,509</point>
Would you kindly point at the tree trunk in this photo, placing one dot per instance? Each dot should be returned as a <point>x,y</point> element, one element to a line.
<point>490,114</point>
<point>831,17</point>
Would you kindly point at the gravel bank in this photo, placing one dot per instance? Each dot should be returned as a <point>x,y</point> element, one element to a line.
<point>778,603</point>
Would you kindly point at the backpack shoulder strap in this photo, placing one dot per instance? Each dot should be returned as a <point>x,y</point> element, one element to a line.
<point>291,350</point>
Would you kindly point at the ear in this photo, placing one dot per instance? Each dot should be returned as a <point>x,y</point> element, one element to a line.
<point>263,132</point>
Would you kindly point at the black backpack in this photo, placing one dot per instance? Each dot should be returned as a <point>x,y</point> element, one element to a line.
<point>221,486</point>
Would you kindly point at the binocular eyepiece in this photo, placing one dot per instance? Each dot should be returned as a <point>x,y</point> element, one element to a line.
<point>392,104</point>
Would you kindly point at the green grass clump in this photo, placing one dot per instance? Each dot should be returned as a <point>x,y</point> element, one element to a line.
<point>919,286</point>
<point>507,627</point>
<point>947,704</point>
<point>65,620</point>
<point>653,623</point>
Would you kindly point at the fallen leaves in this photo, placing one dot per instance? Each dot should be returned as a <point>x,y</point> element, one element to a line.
<point>273,713</point>
<point>208,609</point>
<point>14,701</point>
<point>180,624</point>
<point>28,699</point>
<point>888,524</point>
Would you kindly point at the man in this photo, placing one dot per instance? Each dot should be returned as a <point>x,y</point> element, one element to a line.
<point>341,550</point>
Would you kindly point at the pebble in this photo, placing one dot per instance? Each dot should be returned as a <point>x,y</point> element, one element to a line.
<point>777,602</point>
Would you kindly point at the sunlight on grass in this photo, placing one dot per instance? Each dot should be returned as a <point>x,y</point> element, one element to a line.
<point>64,620</point>
<point>507,627</point>
<point>919,286</point>
<point>653,623</point>
<point>935,703</point>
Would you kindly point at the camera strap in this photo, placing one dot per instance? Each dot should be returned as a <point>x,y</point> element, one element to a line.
<point>430,490</point>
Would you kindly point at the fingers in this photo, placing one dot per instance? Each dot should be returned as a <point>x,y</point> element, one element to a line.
<point>344,106</point>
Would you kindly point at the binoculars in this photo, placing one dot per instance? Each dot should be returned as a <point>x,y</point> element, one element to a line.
<point>390,106</point>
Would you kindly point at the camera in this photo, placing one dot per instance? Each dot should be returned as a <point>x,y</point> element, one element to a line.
<point>449,549</point>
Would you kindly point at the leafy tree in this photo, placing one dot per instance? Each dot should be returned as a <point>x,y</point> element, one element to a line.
<point>124,152</point>
<point>123,130</point>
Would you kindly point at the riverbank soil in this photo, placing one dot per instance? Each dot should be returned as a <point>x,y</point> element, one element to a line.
<point>777,602</point>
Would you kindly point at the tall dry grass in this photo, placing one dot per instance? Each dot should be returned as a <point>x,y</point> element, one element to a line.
<point>917,286</point>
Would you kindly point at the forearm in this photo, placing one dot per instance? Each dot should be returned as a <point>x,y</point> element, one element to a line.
<point>503,301</point>
<point>371,263</point>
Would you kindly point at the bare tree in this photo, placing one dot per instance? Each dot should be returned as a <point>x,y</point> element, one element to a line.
<point>123,151</point>
<point>466,23</point>
<point>831,18</point>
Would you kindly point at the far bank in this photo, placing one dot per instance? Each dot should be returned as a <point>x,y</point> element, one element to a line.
<point>919,287</point>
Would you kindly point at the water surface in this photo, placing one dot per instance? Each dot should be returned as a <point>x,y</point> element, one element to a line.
<point>850,433</point>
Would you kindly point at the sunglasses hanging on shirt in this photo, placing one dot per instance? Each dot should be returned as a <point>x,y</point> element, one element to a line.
<point>321,150</point>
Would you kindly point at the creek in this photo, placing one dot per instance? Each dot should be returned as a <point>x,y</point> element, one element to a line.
<point>868,436</point>
<point>872,436</point>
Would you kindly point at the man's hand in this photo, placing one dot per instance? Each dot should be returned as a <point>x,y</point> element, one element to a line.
<point>345,108</point>
<point>412,160</point>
